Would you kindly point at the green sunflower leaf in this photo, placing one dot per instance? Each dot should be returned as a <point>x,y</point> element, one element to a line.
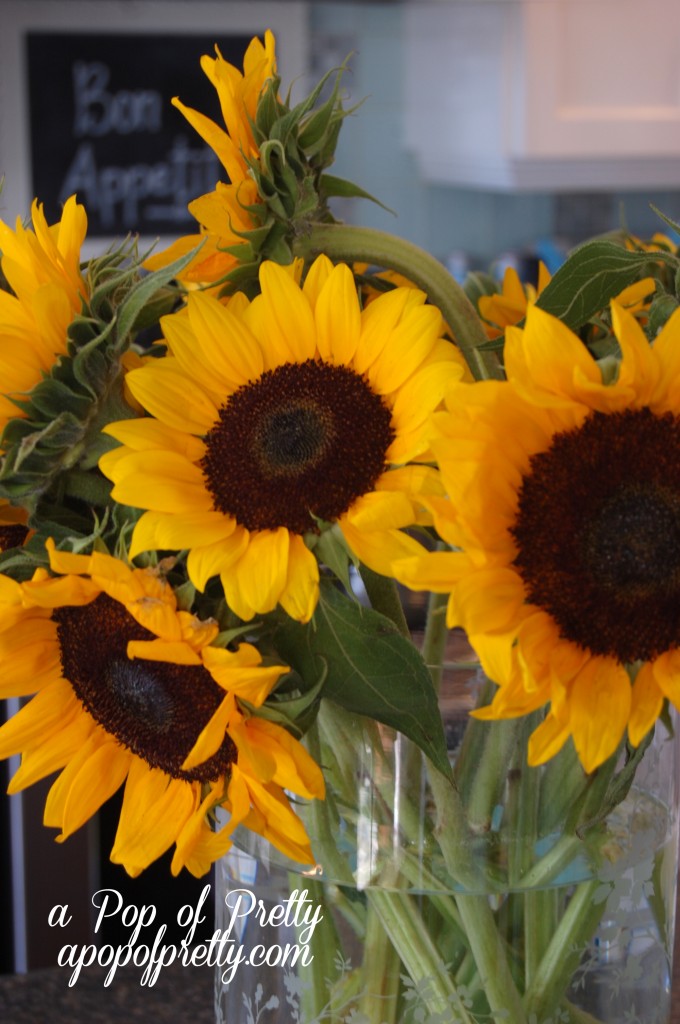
<point>372,669</point>
<point>593,275</point>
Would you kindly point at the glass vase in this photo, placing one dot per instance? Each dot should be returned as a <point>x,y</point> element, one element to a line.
<point>512,894</point>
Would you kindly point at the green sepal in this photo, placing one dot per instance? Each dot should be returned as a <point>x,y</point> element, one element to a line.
<point>373,670</point>
<point>331,549</point>
<point>661,309</point>
<point>479,284</point>
<point>133,305</point>
<point>617,788</point>
<point>594,274</point>
<point>665,218</point>
<point>333,187</point>
<point>295,713</point>
<point>227,636</point>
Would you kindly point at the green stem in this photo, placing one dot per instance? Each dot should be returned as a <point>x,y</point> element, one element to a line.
<point>544,871</point>
<point>325,944</point>
<point>90,487</point>
<point>436,635</point>
<point>360,244</point>
<point>562,788</point>
<point>380,973</point>
<point>412,941</point>
<point>564,951</point>
<point>322,828</point>
<point>492,754</point>
<point>491,960</point>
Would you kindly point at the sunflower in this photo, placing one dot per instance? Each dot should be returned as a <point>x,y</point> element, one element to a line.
<point>223,213</point>
<point>130,690</point>
<point>42,267</point>
<point>273,420</point>
<point>564,505</point>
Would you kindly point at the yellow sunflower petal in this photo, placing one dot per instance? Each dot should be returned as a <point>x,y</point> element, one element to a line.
<point>229,351</point>
<point>168,483</point>
<point>379,549</point>
<point>338,321</point>
<point>378,320</point>
<point>154,811</point>
<point>218,140</point>
<point>667,352</point>
<point>210,560</point>
<point>301,591</point>
<point>256,759</point>
<point>211,735</point>
<point>259,578</point>
<point>647,702</point>
<point>666,670</point>
<point>58,794</point>
<point>547,740</point>
<point>547,356</point>
<point>29,670</point>
<point>490,600</point>
<point>49,757</point>
<point>287,316</point>
<point>296,769</point>
<point>599,709</point>
<point>253,682</point>
<point>146,434</point>
<point>381,510</point>
<point>317,276</point>
<point>640,369</point>
<point>102,774</point>
<point>198,847</point>
<point>164,390</point>
<point>172,531</point>
<point>409,345</point>
<point>174,653</point>
<point>275,819</point>
<point>36,721</point>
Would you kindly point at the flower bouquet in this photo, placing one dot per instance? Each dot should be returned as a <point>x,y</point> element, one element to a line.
<point>362,585</point>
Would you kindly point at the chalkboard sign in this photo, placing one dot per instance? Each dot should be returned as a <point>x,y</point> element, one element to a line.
<point>102,126</point>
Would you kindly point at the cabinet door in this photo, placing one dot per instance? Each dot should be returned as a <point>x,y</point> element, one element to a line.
<point>544,94</point>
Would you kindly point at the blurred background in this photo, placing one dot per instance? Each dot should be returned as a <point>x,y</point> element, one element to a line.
<point>498,132</point>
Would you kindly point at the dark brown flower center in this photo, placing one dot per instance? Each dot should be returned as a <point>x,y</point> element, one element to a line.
<point>598,534</point>
<point>12,535</point>
<point>304,440</point>
<point>155,709</point>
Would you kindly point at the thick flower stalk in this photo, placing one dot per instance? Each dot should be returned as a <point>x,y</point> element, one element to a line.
<point>563,504</point>
<point>132,691</point>
<point>276,421</point>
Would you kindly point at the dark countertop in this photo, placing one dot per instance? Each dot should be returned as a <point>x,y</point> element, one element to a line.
<point>183,994</point>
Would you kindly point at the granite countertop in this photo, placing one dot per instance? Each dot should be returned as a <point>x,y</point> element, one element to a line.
<point>180,996</point>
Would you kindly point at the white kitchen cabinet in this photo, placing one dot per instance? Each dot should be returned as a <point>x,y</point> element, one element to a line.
<point>544,94</point>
